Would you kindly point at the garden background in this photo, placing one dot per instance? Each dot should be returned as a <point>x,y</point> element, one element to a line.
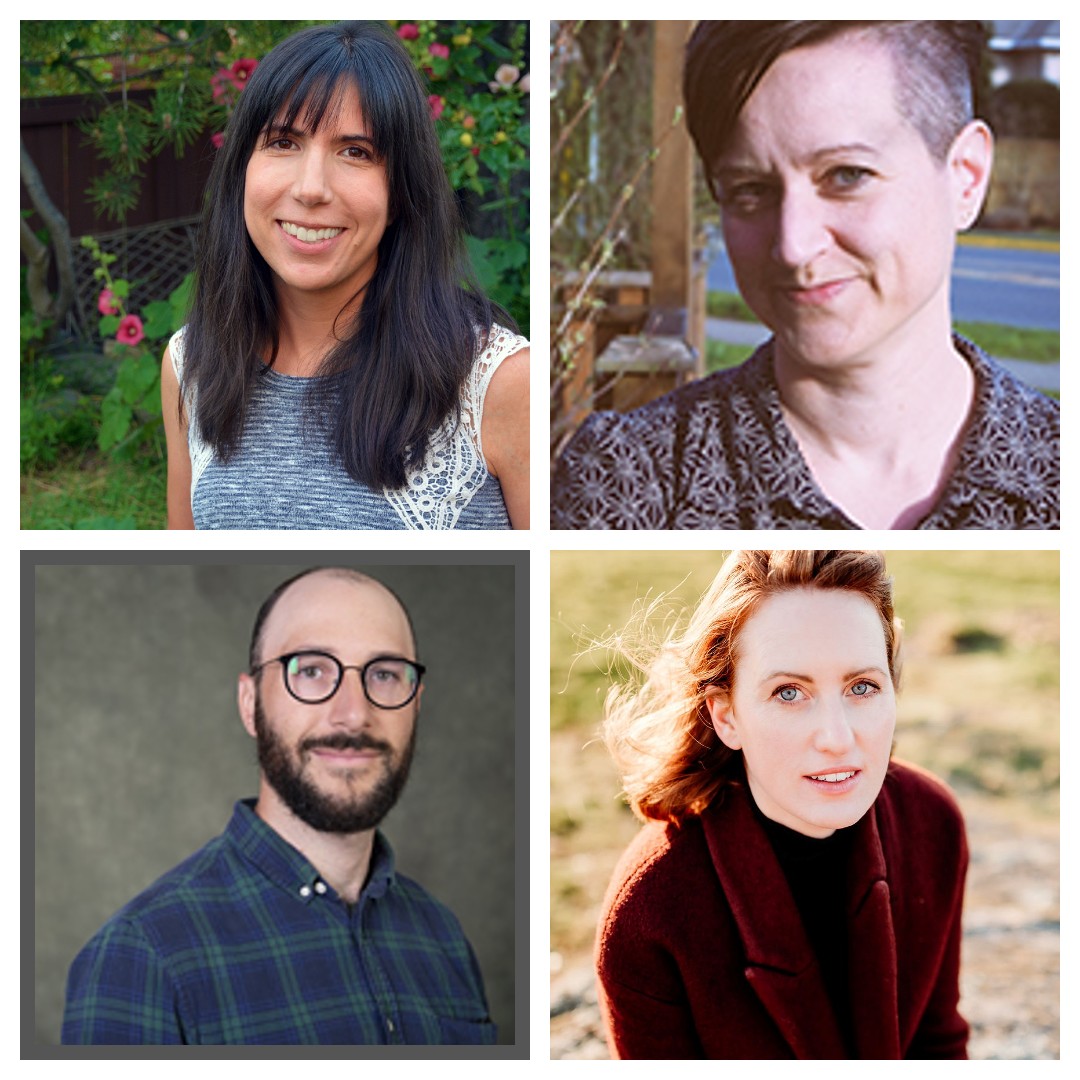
<point>120,121</point>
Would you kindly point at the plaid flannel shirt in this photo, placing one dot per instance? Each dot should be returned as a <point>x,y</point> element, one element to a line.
<point>245,943</point>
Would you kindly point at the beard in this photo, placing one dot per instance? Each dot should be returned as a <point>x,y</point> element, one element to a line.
<point>358,812</point>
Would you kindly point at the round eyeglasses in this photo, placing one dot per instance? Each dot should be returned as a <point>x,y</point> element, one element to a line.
<point>390,682</point>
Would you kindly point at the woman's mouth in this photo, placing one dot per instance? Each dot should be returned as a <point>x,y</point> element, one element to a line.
<point>307,235</point>
<point>817,294</point>
<point>835,783</point>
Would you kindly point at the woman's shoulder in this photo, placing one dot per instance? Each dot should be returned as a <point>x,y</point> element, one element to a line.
<point>661,856</point>
<point>497,343</point>
<point>176,350</point>
<point>916,803</point>
<point>909,782</point>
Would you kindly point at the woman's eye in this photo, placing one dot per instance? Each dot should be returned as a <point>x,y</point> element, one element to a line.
<point>788,693</point>
<point>745,197</point>
<point>847,177</point>
<point>861,689</point>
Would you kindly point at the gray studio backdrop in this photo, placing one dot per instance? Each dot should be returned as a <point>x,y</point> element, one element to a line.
<point>140,754</point>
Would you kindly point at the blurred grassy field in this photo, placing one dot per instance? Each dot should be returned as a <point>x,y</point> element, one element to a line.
<point>978,703</point>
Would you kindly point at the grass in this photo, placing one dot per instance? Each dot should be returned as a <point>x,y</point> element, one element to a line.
<point>720,355</point>
<point>86,491</point>
<point>978,704</point>
<point>1012,342</point>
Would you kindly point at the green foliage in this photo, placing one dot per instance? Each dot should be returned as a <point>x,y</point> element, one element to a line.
<point>172,61</point>
<point>131,410</point>
<point>86,492</point>
<point>479,98</point>
<point>52,417</point>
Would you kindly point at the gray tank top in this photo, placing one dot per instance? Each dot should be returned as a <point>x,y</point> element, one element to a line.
<point>285,474</point>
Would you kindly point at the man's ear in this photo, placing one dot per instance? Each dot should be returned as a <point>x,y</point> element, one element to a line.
<point>245,701</point>
<point>723,719</point>
<point>970,161</point>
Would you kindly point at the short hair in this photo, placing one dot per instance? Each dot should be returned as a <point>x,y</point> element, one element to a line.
<point>936,64</point>
<point>268,605</point>
<point>402,360</point>
<point>658,728</point>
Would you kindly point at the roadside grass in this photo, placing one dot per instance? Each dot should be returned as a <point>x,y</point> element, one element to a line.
<point>87,491</point>
<point>1012,342</point>
<point>978,704</point>
<point>721,355</point>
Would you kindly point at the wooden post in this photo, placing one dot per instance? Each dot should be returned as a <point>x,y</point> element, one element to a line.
<point>672,178</point>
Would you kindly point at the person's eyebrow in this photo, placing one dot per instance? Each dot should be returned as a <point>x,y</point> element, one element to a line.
<point>277,131</point>
<point>869,669</point>
<point>733,169</point>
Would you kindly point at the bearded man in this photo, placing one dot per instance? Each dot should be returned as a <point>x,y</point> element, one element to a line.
<point>293,925</point>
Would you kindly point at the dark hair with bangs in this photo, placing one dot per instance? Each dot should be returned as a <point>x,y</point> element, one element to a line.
<point>403,358</point>
<point>936,64</point>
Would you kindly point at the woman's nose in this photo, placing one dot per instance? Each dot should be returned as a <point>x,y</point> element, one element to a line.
<point>311,183</point>
<point>801,232</point>
<point>833,733</point>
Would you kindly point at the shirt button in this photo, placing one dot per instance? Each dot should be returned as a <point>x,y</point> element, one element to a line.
<point>320,887</point>
<point>305,891</point>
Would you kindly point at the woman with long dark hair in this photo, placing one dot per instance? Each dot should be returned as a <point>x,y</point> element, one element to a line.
<point>796,891</point>
<point>340,370</point>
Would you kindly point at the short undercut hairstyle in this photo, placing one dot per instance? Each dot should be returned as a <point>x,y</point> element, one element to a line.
<point>936,66</point>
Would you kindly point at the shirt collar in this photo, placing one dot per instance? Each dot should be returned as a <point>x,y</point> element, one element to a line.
<point>287,867</point>
<point>802,491</point>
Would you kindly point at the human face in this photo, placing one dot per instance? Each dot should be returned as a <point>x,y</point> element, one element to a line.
<point>812,698</point>
<point>327,182</point>
<point>340,765</point>
<point>839,223</point>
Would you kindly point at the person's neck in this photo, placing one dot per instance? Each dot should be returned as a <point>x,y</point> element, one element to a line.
<point>343,859</point>
<point>881,436</point>
<point>309,326</point>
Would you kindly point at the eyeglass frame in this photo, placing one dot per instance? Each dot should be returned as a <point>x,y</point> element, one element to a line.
<point>342,668</point>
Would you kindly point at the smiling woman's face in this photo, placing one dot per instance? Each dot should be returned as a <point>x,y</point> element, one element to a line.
<point>812,709</point>
<point>316,204</point>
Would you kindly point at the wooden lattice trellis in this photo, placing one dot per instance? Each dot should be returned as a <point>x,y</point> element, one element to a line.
<point>154,259</point>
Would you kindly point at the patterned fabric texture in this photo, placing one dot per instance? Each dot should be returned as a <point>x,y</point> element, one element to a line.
<point>285,475</point>
<point>717,454</point>
<point>244,943</point>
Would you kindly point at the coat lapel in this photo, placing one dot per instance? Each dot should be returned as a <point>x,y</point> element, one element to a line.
<point>872,969</point>
<point>780,965</point>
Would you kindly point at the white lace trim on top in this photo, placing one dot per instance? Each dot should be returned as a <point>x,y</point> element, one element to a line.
<point>201,453</point>
<point>454,467</point>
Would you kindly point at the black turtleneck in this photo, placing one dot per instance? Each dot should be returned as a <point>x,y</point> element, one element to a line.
<point>816,871</point>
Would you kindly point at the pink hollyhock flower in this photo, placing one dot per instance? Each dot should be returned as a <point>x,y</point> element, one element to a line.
<point>106,303</point>
<point>505,77</point>
<point>241,72</point>
<point>408,31</point>
<point>523,86</point>
<point>218,83</point>
<point>218,138</point>
<point>436,104</point>
<point>439,50</point>
<point>130,331</point>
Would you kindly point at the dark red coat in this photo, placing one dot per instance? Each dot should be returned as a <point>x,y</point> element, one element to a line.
<point>701,951</point>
